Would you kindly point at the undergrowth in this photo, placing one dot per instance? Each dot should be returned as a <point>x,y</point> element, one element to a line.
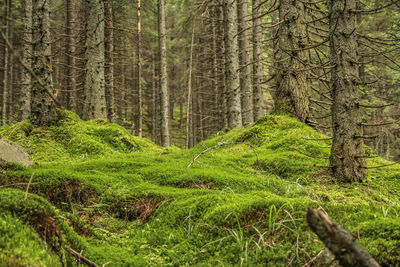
<point>123,199</point>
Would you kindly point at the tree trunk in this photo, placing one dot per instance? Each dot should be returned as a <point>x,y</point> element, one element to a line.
<point>292,85</point>
<point>110,97</point>
<point>42,106</point>
<point>139,125</point>
<point>245,64</point>
<point>95,100</point>
<point>70,51</point>
<point>165,138</point>
<point>232,64</point>
<point>258,68</point>
<point>7,66</point>
<point>347,152</point>
<point>26,79</point>
<point>189,118</point>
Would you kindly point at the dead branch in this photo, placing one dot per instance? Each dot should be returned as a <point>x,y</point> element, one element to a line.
<point>29,184</point>
<point>79,256</point>
<point>340,242</point>
<point>317,139</point>
<point>220,144</point>
<point>308,155</point>
<point>16,184</point>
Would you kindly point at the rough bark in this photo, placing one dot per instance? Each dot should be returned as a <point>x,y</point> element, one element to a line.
<point>347,152</point>
<point>340,242</point>
<point>7,65</point>
<point>292,86</point>
<point>223,119</point>
<point>232,64</point>
<point>245,64</point>
<point>110,98</point>
<point>42,106</point>
<point>258,68</point>
<point>70,51</point>
<point>95,100</point>
<point>165,138</point>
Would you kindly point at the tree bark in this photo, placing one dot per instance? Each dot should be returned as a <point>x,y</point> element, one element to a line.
<point>292,58</point>
<point>110,97</point>
<point>95,100</point>
<point>232,64</point>
<point>70,51</point>
<point>340,242</point>
<point>7,65</point>
<point>245,64</point>
<point>189,116</point>
<point>42,106</point>
<point>347,152</point>
<point>258,68</point>
<point>165,138</point>
<point>139,125</point>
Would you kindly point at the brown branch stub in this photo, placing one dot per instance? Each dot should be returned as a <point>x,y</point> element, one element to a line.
<point>340,242</point>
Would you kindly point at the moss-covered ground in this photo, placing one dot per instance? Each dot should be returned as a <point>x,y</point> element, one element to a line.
<point>124,201</point>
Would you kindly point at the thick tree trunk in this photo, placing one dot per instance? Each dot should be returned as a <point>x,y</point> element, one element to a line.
<point>139,125</point>
<point>42,106</point>
<point>292,85</point>
<point>258,68</point>
<point>245,64</point>
<point>347,152</point>
<point>110,98</point>
<point>70,51</point>
<point>165,138</point>
<point>232,64</point>
<point>95,99</point>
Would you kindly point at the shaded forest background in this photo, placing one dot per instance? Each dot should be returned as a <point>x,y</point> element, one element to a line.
<point>199,97</point>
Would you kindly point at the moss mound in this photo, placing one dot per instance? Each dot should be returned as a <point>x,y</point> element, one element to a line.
<point>241,202</point>
<point>72,138</point>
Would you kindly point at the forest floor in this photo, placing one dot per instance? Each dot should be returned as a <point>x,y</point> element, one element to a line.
<point>124,201</point>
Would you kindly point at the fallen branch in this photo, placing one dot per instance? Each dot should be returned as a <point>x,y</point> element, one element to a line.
<point>220,144</point>
<point>340,242</point>
<point>308,155</point>
<point>29,184</point>
<point>10,185</point>
<point>79,256</point>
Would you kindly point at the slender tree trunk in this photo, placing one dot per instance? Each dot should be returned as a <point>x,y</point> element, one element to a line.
<point>110,97</point>
<point>165,138</point>
<point>189,137</point>
<point>222,66</point>
<point>245,64</point>
<point>154,100</point>
<point>42,106</point>
<point>215,72</point>
<point>292,86</point>
<point>347,152</point>
<point>139,72</point>
<point>258,68</point>
<point>26,79</point>
<point>7,23</point>
<point>95,99</point>
<point>232,64</point>
<point>70,51</point>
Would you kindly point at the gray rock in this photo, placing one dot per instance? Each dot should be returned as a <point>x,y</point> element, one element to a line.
<point>11,152</point>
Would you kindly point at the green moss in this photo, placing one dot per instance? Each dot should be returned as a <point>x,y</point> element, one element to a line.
<point>243,202</point>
